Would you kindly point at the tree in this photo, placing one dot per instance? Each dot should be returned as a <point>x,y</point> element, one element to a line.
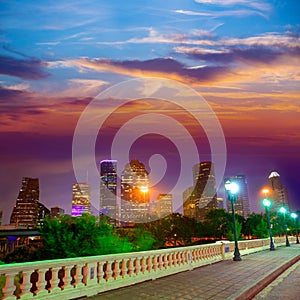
<point>140,238</point>
<point>68,236</point>
<point>174,229</point>
<point>256,226</point>
<point>217,223</point>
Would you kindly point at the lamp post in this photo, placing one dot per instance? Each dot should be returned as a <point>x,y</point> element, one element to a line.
<point>231,189</point>
<point>283,211</point>
<point>144,189</point>
<point>267,203</point>
<point>295,216</point>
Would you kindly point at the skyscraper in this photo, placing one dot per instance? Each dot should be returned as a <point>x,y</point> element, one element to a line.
<point>164,205</point>
<point>204,195</point>
<point>28,211</point>
<point>56,211</point>
<point>81,199</point>
<point>134,193</point>
<point>279,193</point>
<point>241,205</point>
<point>108,189</point>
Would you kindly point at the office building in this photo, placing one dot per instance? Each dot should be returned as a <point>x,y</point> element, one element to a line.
<point>108,189</point>
<point>241,205</point>
<point>81,199</point>
<point>28,211</point>
<point>278,191</point>
<point>56,211</point>
<point>135,206</point>
<point>202,196</point>
<point>164,205</point>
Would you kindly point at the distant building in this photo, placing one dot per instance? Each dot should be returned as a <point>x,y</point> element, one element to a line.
<point>0,217</point>
<point>220,202</point>
<point>81,199</point>
<point>108,189</point>
<point>241,205</point>
<point>28,211</point>
<point>279,193</point>
<point>56,211</point>
<point>164,206</point>
<point>135,206</point>
<point>200,198</point>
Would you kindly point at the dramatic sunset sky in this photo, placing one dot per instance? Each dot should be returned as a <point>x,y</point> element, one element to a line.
<point>242,57</point>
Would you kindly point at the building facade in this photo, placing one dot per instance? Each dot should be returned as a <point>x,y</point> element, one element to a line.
<point>56,211</point>
<point>164,205</point>
<point>28,211</point>
<point>81,199</point>
<point>108,189</point>
<point>135,204</point>
<point>279,194</point>
<point>241,205</point>
<point>202,196</point>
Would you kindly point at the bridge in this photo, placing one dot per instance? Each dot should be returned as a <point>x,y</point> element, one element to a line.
<point>198,272</point>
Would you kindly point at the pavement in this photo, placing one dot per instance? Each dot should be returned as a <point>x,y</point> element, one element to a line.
<point>264,275</point>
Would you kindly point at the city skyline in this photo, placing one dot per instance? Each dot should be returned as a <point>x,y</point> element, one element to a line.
<point>241,57</point>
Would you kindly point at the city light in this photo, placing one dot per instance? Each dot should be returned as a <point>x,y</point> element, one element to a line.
<point>144,188</point>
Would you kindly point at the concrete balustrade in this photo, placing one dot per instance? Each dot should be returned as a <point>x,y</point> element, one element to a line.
<point>87,276</point>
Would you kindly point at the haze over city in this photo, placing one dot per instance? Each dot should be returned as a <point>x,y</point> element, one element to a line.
<point>241,56</point>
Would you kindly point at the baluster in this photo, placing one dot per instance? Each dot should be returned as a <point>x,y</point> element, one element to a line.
<point>154,263</point>
<point>142,264</point>
<point>129,266</point>
<point>84,273</point>
<point>99,272</point>
<point>165,263</point>
<point>34,279</point>
<point>149,264</point>
<point>74,276</point>
<point>122,268</point>
<point>49,280</point>
<point>18,282</point>
<point>159,262</point>
<point>61,277</point>
<point>106,271</point>
<point>136,266</point>
<point>114,269</point>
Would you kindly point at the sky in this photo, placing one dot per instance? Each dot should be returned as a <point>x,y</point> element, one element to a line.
<point>170,83</point>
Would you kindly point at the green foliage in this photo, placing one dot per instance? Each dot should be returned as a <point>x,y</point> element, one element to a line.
<point>140,238</point>
<point>80,236</point>
<point>218,224</point>
<point>2,262</point>
<point>175,229</point>
<point>23,253</point>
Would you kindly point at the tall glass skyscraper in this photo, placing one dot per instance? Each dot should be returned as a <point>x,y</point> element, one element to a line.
<point>81,199</point>
<point>204,195</point>
<point>135,204</point>
<point>241,206</point>
<point>279,193</point>
<point>108,189</point>
<point>28,211</point>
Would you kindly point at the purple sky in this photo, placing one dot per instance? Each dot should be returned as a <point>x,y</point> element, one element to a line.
<point>242,57</point>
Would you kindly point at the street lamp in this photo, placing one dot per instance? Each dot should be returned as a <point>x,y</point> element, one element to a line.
<point>144,189</point>
<point>295,216</point>
<point>283,211</point>
<point>267,203</point>
<point>231,189</point>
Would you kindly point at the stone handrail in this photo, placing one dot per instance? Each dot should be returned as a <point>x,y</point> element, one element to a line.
<point>86,276</point>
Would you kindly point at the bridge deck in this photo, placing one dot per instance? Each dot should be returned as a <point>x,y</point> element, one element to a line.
<point>223,280</point>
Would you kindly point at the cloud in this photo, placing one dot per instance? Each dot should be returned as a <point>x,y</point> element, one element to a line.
<point>239,13</point>
<point>27,68</point>
<point>159,67</point>
<point>259,5</point>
